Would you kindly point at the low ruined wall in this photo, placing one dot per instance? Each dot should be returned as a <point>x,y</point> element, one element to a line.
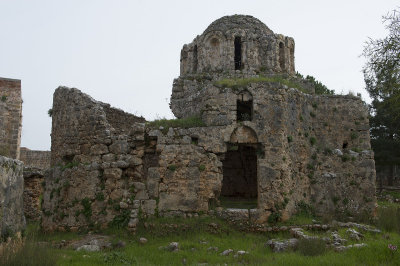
<point>35,159</point>
<point>11,199</point>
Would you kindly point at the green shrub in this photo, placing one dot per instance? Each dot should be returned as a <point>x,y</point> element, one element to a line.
<point>274,217</point>
<point>121,220</point>
<point>305,209</point>
<point>313,140</point>
<point>172,167</point>
<point>50,112</point>
<point>353,135</point>
<point>69,165</point>
<point>311,247</point>
<point>100,196</point>
<point>3,98</point>
<point>290,139</point>
<point>87,208</point>
<point>314,105</point>
<point>345,157</point>
<point>312,114</point>
<point>202,168</point>
<point>335,199</point>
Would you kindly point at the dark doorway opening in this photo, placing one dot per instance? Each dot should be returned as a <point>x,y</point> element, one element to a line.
<point>238,53</point>
<point>239,184</point>
<point>244,110</point>
<point>195,60</point>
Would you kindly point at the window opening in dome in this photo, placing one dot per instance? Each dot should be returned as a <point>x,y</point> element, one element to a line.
<point>238,53</point>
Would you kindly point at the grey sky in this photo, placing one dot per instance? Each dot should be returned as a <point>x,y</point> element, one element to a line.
<point>126,53</point>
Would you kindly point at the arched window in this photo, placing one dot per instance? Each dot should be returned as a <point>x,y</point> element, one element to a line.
<point>238,53</point>
<point>195,60</point>
<point>281,56</point>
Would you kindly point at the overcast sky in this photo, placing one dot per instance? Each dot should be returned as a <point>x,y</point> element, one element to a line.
<point>126,53</point>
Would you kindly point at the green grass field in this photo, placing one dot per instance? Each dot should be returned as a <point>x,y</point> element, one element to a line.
<point>195,237</point>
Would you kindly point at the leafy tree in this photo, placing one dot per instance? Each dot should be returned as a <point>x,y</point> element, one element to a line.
<point>382,79</point>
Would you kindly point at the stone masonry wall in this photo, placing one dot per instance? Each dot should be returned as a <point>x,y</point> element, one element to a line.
<point>11,200</point>
<point>10,117</point>
<point>35,159</point>
<point>97,176</point>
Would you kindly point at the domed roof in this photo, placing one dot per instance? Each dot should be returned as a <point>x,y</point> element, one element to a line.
<point>238,21</point>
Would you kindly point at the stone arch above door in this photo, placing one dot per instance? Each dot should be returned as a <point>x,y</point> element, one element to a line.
<point>243,134</point>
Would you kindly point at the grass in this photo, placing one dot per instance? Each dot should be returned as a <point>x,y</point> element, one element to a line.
<point>188,122</point>
<point>196,235</point>
<point>389,218</point>
<point>239,83</point>
<point>311,247</point>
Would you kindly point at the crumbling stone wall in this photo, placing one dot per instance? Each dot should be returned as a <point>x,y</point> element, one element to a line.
<point>11,200</point>
<point>35,159</point>
<point>97,175</point>
<point>10,117</point>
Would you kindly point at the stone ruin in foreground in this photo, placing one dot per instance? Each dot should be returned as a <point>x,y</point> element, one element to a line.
<point>257,140</point>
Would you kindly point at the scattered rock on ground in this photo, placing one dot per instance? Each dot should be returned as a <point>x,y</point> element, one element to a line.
<point>344,248</point>
<point>142,240</point>
<point>354,234</point>
<point>226,252</point>
<point>173,246</point>
<point>282,245</point>
<point>212,249</point>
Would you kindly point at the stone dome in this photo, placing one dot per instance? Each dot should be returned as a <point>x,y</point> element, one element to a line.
<point>245,22</point>
<point>238,43</point>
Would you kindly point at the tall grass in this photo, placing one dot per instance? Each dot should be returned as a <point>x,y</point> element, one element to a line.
<point>28,254</point>
<point>389,218</point>
<point>311,247</point>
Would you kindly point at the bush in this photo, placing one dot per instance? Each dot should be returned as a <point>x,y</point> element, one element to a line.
<point>311,247</point>
<point>389,219</point>
<point>274,217</point>
<point>313,140</point>
<point>29,254</point>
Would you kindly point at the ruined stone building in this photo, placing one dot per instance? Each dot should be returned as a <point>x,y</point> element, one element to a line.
<point>250,131</point>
